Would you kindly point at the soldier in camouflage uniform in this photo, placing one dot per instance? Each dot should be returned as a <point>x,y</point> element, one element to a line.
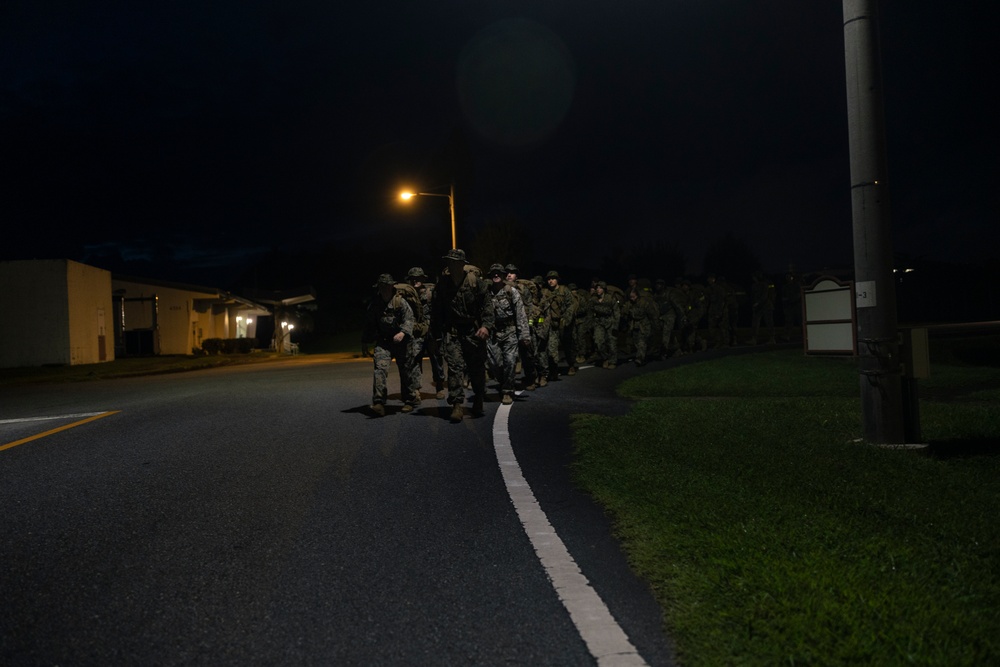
<point>529,300</point>
<point>583,326</point>
<point>670,305</point>
<point>427,344</point>
<point>640,315</point>
<point>695,308</point>
<point>557,312</point>
<point>462,316</point>
<point>389,325</point>
<point>542,329</point>
<point>607,314</point>
<point>510,334</point>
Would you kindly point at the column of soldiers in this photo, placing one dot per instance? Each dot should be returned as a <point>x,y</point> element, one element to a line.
<point>471,325</point>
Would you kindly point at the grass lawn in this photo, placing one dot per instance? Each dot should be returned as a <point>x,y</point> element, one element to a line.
<point>771,535</point>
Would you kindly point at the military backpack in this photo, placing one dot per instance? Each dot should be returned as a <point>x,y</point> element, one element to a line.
<point>408,293</point>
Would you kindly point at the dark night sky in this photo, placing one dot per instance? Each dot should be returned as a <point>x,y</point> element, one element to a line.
<point>204,133</point>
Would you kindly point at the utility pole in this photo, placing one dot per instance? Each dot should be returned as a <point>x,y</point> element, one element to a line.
<point>878,335</point>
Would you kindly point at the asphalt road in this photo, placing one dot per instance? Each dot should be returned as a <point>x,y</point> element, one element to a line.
<point>258,515</point>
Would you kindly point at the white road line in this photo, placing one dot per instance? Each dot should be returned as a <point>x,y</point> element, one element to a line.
<point>606,641</point>
<point>42,419</point>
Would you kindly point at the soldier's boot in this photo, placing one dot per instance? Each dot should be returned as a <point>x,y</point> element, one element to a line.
<point>531,387</point>
<point>439,386</point>
<point>378,409</point>
<point>408,407</point>
<point>457,413</point>
<point>542,381</point>
<point>477,406</point>
<point>571,371</point>
<point>507,399</point>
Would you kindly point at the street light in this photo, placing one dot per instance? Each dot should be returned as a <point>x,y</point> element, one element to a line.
<point>406,196</point>
<point>882,408</point>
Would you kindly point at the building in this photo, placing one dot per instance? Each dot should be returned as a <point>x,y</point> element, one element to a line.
<point>160,317</point>
<point>55,312</point>
<point>61,312</point>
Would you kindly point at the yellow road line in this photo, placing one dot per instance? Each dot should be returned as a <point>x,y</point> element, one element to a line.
<point>56,430</point>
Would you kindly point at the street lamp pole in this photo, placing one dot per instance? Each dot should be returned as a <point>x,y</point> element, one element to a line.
<point>451,206</point>
<point>878,336</point>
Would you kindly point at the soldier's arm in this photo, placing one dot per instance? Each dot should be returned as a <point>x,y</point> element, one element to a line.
<point>488,317</point>
<point>520,316</point>
<point>404,318</point>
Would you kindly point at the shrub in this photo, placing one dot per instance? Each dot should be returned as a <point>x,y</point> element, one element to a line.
<point>228,345</point>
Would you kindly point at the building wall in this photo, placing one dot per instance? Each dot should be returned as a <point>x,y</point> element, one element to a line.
<point>91,321</point>
<point>184,318</point>
<point>50,313</point>
<point>173,318</point>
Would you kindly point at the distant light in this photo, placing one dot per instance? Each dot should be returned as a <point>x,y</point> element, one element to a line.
<point>406,195</point>
<point>291,326</point>
<point>249,320</point>
<point>284,324</point>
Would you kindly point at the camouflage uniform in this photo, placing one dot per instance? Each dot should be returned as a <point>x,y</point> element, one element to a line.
<point>510,332</point>
<point>557,312</point>
<point>542,328</point>
<point>384,320</point>
<point>459,312</point>
<point>583,326</point>
<point>670,305</point>
<point>607,313</point>
<point>427,344</point>
<point>695,307</point>
<point>528,291</point>
<point>640,315</point>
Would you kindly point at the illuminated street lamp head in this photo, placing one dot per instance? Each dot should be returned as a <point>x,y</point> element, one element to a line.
<point>407,195</point>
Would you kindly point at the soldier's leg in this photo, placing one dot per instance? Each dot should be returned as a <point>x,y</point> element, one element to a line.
<point>403,361</point>
<point>600,344</point>
<point>642,343</point>
<point>611,334</point>
<point>541,357</point>
<point>414,371</point>
<point>667,334</point>
<point>381,358</point>
<point>528,365</point>
<point>452,352</point>
<point>494,358</point>
<point>569,349</point>
<point>552,357</point>
<point>509,361</point>
<point>474,352</point>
